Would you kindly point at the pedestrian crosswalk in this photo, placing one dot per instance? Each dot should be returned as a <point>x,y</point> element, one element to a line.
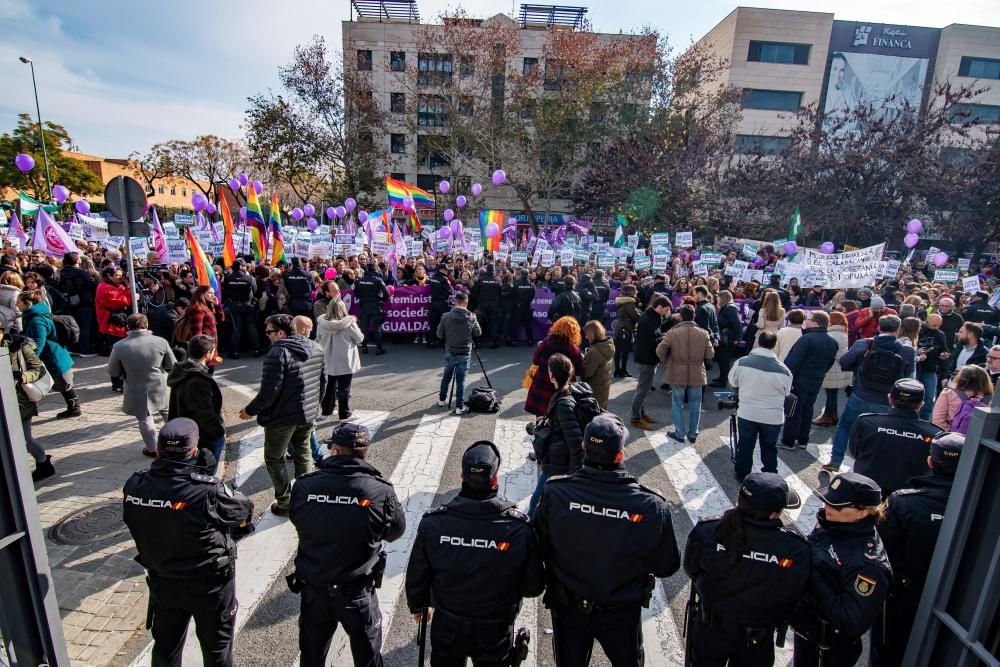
<point>692,472</point>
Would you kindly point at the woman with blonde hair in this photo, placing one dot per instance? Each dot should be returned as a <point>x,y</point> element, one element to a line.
<point>597,361</point>
<point>339,335</point>
<point>772,315</point>
<point>909,331</point>
<point>563,338</point>
<point>972,383</point>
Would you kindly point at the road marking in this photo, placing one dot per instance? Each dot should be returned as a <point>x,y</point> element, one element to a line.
<point>663,645</point>
<point>700,492</point>
<point>822,454</point>
<point>238,387</point>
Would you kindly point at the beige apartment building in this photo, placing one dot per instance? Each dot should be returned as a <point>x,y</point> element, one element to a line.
<point>783,60</point>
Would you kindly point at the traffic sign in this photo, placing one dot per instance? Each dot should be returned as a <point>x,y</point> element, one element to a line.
<point>125,194</point>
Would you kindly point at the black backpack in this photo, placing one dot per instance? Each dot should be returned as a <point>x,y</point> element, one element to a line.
<point>880,368</point>
<point>67,330</point>
<point>587,406</point>
<point>567,303</point>
<point>483,399</point>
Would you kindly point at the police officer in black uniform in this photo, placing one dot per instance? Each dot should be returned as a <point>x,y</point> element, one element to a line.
<point>748,573</point>
<point>342,512</point>
<point>239,295</point>
<point>597,310</point>
<point>180,517</point>
<point>298,285</point>
<point>441,293</point>
<point>980,310</point>
<point>891,448</point>
<point>604,539</point>
<point>909,533</point>
<point>371,293</point>
<point>523,317</point>
<point>486,293</point>
<point>473,560</point>
<point>850,574</point>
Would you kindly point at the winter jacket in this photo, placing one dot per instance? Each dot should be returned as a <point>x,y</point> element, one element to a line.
<point>852,327</point>
<point>978,357</point>
<point>706,318</point>
<point>948,404</point>
<point>111,298</point>
<point>565,444</point>
<point>647,335</point>
<point>868,323</point>
<point>32,369</point>
<point>763,383</point>
<point>853,359</point>
<point>291,383</point>
<point>597,364</point>
<point>787,337</point>
<point>195,394</point>
<point>340,340</point>
<point>683,351</point>
<point>730,326</point>
<point>566,303</point>
<point>144,360</point>
<point>628,314</point>
<point>457,328</point>
<point>37,324</point>
<point>812,355</point>
<point>77,282</point>
<point>950,324</point>
<point>836,377</point>
<point>8,296</point>
<point>541,389</point>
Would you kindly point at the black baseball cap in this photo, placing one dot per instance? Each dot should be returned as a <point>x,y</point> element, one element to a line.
<point>850,489</point>
<point>767,492</point>
<point>349,435</point>
<point>604,438</point>
<point>907,391</point>
<point>480,464</point>
<point>177,437</point>
<point>982,295</point>
<point>946,448</point>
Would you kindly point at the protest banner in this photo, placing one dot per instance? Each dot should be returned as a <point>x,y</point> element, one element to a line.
<point>177,251</point>
<point>854,268</point>
<point>642,262</point>
<point>660,262</point>
<point>891,268</point>
<point>566,257</point>
<point>606,261</point>
<point>519,257</point>
<point>711,258</point>
<point>963,263</point>
<point>659,238</point>
<point>416,247</point>
<point>946,276</point>
<point>685,239</point>
<point>76,232</point>
<point>581,256</point>
<point>183,218</point>
<point>749,251</point>
<point>971,284</point>
<point>138,247</point>
<point>700,269</point>
<point>548,258</point>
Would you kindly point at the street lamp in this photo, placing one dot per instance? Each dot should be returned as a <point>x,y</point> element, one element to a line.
<point>41,133</point>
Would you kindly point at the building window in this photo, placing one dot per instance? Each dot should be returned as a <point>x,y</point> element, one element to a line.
<point>398,176</point>
<point>986,114</point>
<point>465,105</point>
<point>184,192</point>
<point>771,100</point>
<point>397,143</point>
<point>427,182</point>
<point>397,61</point>
<point>431,111</point>
<point>466,66</point>
<point>433,68</point>
<point>463,184</point>
<point>528,108</point>
<point>161,190</point>
<point>365,60</point>
<point>173,190</point>
<point>431,151</point>
<point>778,52</point>
<point>979,68</point>
<point>397,102</point>
<point>529,66</point>
<point>554,73</point>
<point>753,143</point>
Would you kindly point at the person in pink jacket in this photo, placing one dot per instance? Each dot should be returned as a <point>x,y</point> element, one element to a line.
<point>971,383</point>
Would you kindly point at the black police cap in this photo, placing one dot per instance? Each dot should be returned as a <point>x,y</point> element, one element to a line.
<point>604,438</point>
<point>177,437</point>
<point>947,448</point>
<point>907,391</point>
<point>767,492</point>
<point>851,489</point>
<point>480,464</point>
<point>349,436</point>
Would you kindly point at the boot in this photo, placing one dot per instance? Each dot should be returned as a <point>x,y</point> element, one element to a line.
<point>343,406</point>
<point>826,419</point>
<point>72,409</point>
<point>43,470</point>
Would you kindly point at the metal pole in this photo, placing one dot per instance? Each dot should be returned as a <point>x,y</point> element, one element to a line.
<point>128,248</point>
<point>41,132</point>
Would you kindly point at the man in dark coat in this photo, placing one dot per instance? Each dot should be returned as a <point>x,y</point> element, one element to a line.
<point>195,394</point>
<point>647,337</point>
<point>810,358</point>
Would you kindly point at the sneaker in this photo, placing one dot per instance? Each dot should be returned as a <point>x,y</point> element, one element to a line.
<point>442,403</point>
<point>786,445</point>
<point>278,510</point>
<point>638,423</point>
<point>43,470</point>
<point>462,410</point>
<point>674,435</point>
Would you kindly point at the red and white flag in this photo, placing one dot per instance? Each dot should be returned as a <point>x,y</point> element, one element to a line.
<point>49,237</point>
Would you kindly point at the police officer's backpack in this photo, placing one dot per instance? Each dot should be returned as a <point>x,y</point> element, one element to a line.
<point>483,399</point>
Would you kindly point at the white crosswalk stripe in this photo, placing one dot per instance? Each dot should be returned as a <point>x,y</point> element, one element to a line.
<point>822,454</point>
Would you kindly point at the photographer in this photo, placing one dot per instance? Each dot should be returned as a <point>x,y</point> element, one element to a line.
<point>763,382</point>
<point>457,328</point>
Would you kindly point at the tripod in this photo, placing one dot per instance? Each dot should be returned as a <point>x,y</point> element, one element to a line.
<point>454,377</point>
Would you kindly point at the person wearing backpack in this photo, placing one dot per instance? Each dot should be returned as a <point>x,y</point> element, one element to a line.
<point>567,303</point>
<point>970,389</point>
<point>877,363</point>
<point>37,324</point>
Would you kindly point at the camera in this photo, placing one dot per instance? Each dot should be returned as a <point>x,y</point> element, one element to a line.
<point>728,400</point>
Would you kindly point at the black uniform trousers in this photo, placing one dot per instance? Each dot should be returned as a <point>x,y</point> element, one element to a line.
<point>438,309</point>
<point>724,644</point>
<point>842,653</point>
<point>455,638</point>
<point>211,601</point>
<point>522,318</point>
<point>244,318</point>
<point>371,318</point>
<point>321,614</point>
<point>491,315</point>
<point>618,631</point>
<point>797,426</point>
<point>891,632</point>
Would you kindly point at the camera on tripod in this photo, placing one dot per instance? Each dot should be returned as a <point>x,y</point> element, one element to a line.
<point>728,400</point>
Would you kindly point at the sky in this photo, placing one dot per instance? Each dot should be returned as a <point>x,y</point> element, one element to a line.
<point>122,75</point>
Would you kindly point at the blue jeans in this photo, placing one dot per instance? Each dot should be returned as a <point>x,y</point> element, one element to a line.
<point>749,432</point>
<point>459,365</point>
<point>854,408</point>
<point>537,493</point>
<point>217,448</point>
<point>677,393</point>
<point>929,379</point>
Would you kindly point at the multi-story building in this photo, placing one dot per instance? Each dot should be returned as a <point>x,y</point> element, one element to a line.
<point>783,60</point>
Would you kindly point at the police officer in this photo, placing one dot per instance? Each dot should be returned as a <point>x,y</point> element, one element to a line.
<point>604,539</point>
<point>239,295</point>
<point>980,310</point>
<point>298,285</point>
<point>441,293</point>
<point>486,293</point>
<point>603,289</point>
<point>909,533</point>
<point>180,518</point>
<point>523,316</point>
<point>342,512</point>
<point>850,574</point>
<point>371,293</point>
<point>893,447</point>
<point>748,573</point>
<point>473,560</point>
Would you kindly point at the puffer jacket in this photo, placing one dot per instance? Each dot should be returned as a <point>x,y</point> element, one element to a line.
<point>812,355</point>
<point>195,394</point>
<point>565,445</point>
<point>111,298</point>
<point>628,314</point>
<point>37,325</point>
<point>291,383</point>
<point>597,364</point>
<point>340,340</point>
<point>836,377</point>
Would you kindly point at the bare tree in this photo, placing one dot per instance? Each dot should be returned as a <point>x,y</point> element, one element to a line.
<point>206,161</point>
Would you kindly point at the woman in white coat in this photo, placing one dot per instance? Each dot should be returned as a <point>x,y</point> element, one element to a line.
<point>339,334</point>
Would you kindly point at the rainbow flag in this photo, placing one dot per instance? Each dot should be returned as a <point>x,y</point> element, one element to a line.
<point>397,191</point>
<point>202,267</point>
<point>277,238</point>
<point>485,218</point>
<point>228,246</point>
<point>415,225</point>
<point>258,229</point>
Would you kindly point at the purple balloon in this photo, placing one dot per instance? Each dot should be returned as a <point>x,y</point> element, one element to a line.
<point>444,233</point>
<point>330,212</point>
<point>234,184</point>
<point>60,193</point>
<point>258,187</point>
<point>340,212</point>
<point>297,213</point>
<point>243,212</point>
<point>211,208</point>
<point>914,226</point>
<point>312,223</point>
<point>759,262</point>
<point>477,189</point>
<point>350,204</point>
<point>456,228</point>
<point>499,176</point>
<point>940,259</point>
<point>695,256</point>
<point>791,247</point>
<point>911,240</point>
<point>243,179</point>
<point>407,203</point>
<point>492,230</point>
<point>24,162</point>
<point>362,216</point>
<point>448,214</point>
<point>827,247</point>
<point>199,201</point>
<point>82,206</point>
<point>460,201</point>
<point>444,186</point>
<point>309,210</point>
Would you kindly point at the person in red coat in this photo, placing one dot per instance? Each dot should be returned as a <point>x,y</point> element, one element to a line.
<point>111,304</point>
<point>867,321</point>
<point>563,338</point>
<point>201,319</point>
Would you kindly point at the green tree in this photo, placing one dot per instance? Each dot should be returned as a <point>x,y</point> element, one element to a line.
<point>64,170</point>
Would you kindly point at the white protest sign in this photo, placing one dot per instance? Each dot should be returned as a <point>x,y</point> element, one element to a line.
<point>963,263</point>
<point>519,257</point>
<point>548,258</point>
<point>711,258</point>
<point>416,247</point>
<point>685,239</point>
<point>740,264</point>
<point>660,238</point>
<point>76,232</point>
<point>176,251</point>
<point>300,247</point>
<point>749,251</point>
<point>606,261</point>
<point>946,276</point>
<point>138,247</point>
<point>660,262</point>
<point>700,269</point>
<point>680,272</point>
<point>581,256</point>
<point>566,257</point>
<point>642,262</point>
<point>891,268</point>
<point>734,271</point>
<point>970,285</point>
<point>854,268</point>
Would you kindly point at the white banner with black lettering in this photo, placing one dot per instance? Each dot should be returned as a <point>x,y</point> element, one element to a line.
<point>854,268</point>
